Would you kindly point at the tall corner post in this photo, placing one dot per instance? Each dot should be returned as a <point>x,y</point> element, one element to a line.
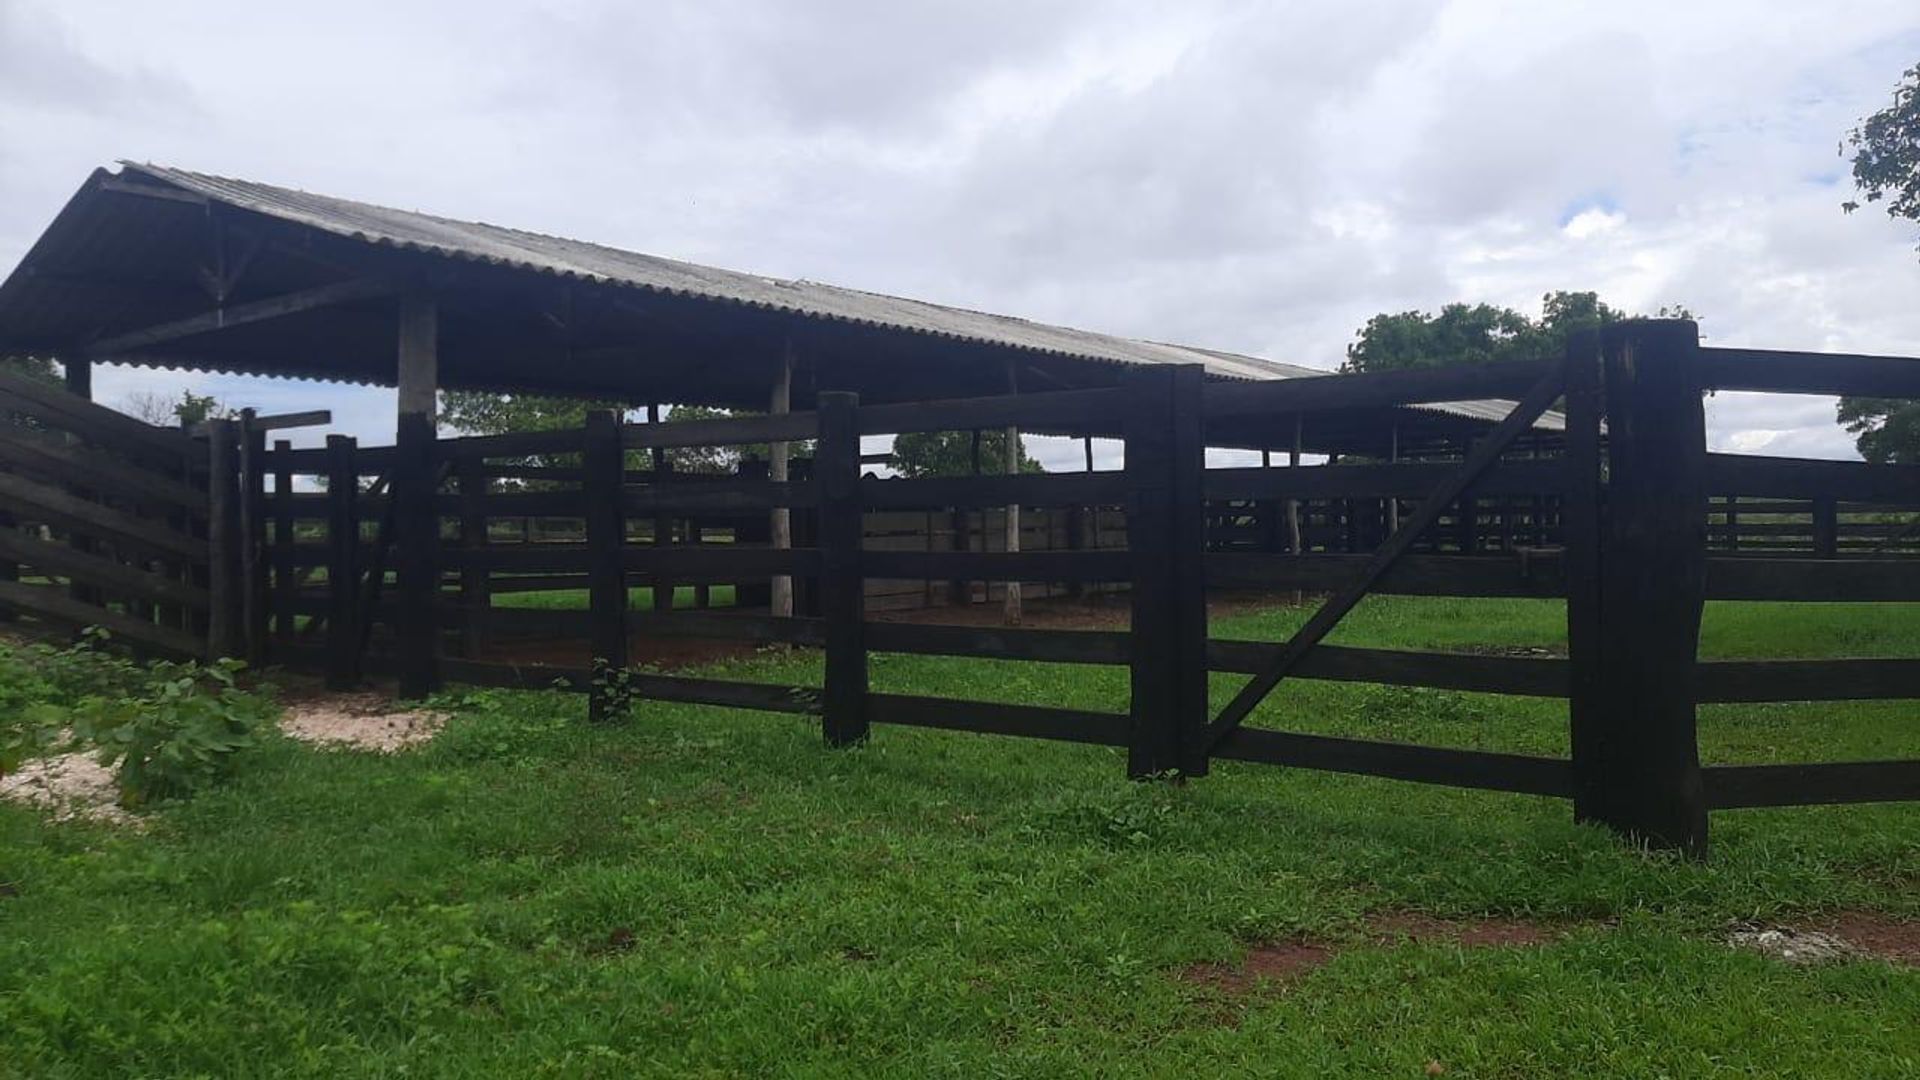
<point>343,563</point>
<point>415,488</point>
<point>603,473</point>
<point>842,584</point>
<point>1636,731</point>
<point>225,579</point>
<point>1165,535</point>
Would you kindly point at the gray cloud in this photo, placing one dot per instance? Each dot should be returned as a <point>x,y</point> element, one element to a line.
<point>1235,174</point>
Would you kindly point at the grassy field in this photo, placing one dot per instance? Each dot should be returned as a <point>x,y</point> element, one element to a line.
<point>710,893</point>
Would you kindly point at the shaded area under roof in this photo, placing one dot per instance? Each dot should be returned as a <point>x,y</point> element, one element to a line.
<point>525,312</point>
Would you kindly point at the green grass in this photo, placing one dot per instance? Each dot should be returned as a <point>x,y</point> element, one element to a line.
<point>712,893</point>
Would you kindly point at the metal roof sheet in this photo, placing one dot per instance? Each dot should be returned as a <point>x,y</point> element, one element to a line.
<point>579,260</point>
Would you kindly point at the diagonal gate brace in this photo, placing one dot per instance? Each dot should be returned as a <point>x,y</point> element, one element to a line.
<point>1521,419</point>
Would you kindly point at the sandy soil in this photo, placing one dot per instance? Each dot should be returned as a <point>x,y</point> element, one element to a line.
<point>72,786</point>
<point>359,721</point>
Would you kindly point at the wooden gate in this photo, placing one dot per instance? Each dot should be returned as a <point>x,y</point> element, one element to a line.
<point>103,521</point>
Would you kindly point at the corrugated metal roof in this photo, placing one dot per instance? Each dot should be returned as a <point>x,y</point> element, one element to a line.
<point>573,259</point>
<point>559,257</point>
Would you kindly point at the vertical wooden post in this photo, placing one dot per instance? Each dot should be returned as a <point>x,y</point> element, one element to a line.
<point>836,471</point>
<point>343,564</point>
<point>780,518</point>
<point>416,541</point>
<point>603,478</point>
<point>1011,611</point>
<point>662,520</point>
<point>1581,536</point>
<point>1165,532</point>
<point>225,580</point>
<point>476,597</point>
<point>253,538</point>
<point>1733,523</point>
<point>1826,526</point>
<point>286,591</point>
<point>1652,585</point>
<point>414,490</point>
<point>1293,505</point>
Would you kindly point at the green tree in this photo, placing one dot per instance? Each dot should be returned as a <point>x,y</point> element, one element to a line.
<point>477,413</point>
<point>1886,168</point>
<point>1479,333</point>
<point>950,453</point>
<point>33,367</point>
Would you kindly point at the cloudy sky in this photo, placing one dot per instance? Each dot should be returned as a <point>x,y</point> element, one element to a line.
<point>1260,177</point>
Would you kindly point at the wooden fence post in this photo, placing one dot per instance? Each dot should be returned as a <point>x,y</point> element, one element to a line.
<point>253,538</point>
<point>836,466</point>
<point>1652,587</point>
<point>1581,537</point>
<point>225,580</point>
<point>603,478</point>
<point>416,535</point>
<point>343,558</point>
<point>1826,527</point>
<point>476,598</point>
<point>1166,535</point>
<point>286,590</point>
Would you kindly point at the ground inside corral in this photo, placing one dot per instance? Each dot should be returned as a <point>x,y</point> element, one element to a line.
<point>700,891</point>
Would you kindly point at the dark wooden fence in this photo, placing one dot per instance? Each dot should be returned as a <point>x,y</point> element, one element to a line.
<point>1627,525</point>
<point>104,522</point>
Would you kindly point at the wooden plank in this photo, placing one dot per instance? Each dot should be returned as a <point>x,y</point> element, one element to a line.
<point>1407,480</point>
<point>1482,769</point>
<point>281,421</point>
<point>731,627</point>
<point>286,582</point>
<point>740,497</point>
<point>97,471</point>
<point>1810,478</point>
<point>1187,570</point>
<point>1027,489</point>
<point>343,292</point>
<point>107,574</point>
<point>998,565</point>
<point>725,431</point>
<point>1329,614</point>
<point>1730,787</point>
<point>1527,676</point>
<point>1064,411</point>
<point>1001,643</point>
<point>1463,382</point>
<point>993,718</point>
<point>67,412</point>
<point>512,444</point>
<point>1784,372</point>
<point>224,579</point>
<point>606,535</point>
<point>720,563</point>
<point>1853,679</point>
<point>837,471</point>
<point>1862,579</point>
<point>32,502</point>
<point>54,605</point>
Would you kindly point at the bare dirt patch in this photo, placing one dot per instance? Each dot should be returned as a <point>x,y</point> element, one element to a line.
<point>1279,962</point>
<point>1847,935</point>
<point>72,786</point>
<point>359,721</point>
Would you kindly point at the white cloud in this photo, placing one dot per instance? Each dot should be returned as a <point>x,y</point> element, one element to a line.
<point>1226,173</point>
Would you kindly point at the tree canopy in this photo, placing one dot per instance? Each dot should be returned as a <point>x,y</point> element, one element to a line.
<point>478,413</point>
<point>1886,168</point>
<point>1480,333</point>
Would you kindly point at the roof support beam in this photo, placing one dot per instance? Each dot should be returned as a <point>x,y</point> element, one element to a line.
<point>343,292</point>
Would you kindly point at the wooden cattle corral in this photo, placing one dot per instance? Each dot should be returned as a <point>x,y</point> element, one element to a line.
<point>1630,551</point>
<point>1461,481</point>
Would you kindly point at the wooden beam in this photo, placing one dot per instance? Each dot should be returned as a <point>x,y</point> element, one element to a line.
<point>1485,454</point>
<point>1010,610</point>
<point>342,292</point>
<point>780,519</point>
